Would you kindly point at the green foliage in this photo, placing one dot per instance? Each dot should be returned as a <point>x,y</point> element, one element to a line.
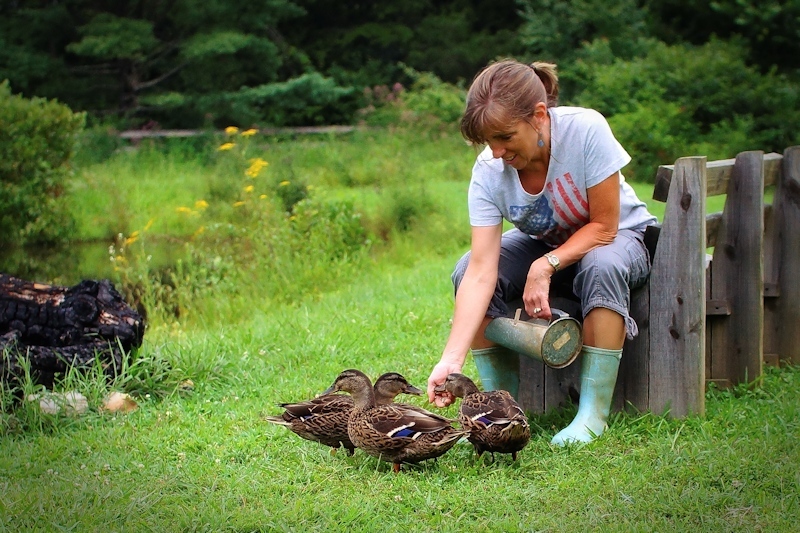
<point>37,139</point>
<point>107,37</point>
<point>768,28</point>
<point>150,62</point>
<point>308,100</point>
<point>684,100</point>
<point>429,103</point>
<point>430,97</point>
<point>367,44</point>
<point>557,31</point>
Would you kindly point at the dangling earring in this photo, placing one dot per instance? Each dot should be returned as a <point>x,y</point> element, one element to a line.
<point>540,142</point>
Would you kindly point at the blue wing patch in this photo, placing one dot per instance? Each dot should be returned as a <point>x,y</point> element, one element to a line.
<point>406,432</point>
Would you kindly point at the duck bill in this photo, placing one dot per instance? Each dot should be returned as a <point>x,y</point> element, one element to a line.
<point>411,389</point>
<point>440,388</point>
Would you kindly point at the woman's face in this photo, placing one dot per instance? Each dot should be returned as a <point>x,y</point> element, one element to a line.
<point>515,144</point>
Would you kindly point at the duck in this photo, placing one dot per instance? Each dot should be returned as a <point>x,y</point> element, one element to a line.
<point>324,419</point>
<point>495,421</point>
<point>394,433</point>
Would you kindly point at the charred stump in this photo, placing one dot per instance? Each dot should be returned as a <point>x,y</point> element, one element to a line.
<point>56,328</point>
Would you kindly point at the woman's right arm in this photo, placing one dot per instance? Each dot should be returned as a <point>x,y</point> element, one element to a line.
<point>472,301</point>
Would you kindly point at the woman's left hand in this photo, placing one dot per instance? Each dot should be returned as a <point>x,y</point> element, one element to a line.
<point>536,295</point>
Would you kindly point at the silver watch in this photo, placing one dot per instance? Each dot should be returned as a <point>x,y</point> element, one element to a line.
<point>553,260</point>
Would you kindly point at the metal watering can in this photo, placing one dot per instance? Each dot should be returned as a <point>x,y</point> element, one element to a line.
<point>556,342</point>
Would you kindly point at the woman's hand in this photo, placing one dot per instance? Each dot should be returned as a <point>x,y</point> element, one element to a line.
<point>536,295</point>
<point>438,376</point>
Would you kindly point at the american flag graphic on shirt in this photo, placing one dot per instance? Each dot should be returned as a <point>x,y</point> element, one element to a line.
<point>554,216</point>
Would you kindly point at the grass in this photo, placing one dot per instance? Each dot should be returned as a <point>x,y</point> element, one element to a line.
<point>205,460</point>
<point>208,462</point>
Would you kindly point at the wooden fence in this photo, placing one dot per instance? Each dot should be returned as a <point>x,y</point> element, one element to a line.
<point>700,324</point>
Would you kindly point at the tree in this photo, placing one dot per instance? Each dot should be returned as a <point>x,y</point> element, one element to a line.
<point>769,29</point>
<point>150,59</point>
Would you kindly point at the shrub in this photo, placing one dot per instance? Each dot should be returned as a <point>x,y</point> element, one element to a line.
<point>37,140</point>
<point>308,100</point>
<point>684,100</point>
<point>429,102</point>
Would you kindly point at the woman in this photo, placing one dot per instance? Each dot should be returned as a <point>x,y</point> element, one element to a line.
<point>554,173</point>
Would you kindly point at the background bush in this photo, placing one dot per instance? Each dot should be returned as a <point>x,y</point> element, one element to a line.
<point>37,139</point>
<point>683,100</point>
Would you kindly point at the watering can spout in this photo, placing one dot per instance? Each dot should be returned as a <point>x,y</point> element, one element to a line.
<point>556,342</point>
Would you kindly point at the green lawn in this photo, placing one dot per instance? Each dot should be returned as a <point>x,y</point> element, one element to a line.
<point>205,460</point>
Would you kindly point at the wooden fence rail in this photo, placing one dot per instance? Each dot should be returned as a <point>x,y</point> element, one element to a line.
<point>700,324</point>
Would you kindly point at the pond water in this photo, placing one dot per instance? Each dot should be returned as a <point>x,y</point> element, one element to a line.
<point>68,265</point>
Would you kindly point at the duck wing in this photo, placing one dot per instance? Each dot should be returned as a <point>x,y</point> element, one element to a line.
<point>404,421</point>
<point>325,404</point>
<point>491,408</point>
<point>322,419</point>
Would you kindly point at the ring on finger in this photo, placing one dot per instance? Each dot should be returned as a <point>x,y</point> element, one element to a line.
<point>537,310</point>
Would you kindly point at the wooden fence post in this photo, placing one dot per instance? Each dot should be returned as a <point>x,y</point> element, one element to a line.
<point>787,213</point>
<point>678,308</point>
<point>735,331</point>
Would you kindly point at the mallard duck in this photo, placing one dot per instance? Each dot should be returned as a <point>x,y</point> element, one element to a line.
<point>394,433</point>
<point>324,419</point>
<point>495,421</point>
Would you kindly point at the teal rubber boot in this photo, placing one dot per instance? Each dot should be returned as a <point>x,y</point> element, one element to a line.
<point>598,377</point>
<point>498,368</point>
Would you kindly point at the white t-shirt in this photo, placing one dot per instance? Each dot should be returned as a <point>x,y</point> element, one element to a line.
<point>584,152</point>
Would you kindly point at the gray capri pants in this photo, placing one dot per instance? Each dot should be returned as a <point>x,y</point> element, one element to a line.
<point>603,278</point>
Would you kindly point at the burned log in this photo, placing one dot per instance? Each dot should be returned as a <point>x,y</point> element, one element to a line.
<point>55,328</point>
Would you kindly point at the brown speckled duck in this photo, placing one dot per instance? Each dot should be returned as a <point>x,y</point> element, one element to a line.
<point>495,421</point>
<point>394,433</point>
<point>324,419</point>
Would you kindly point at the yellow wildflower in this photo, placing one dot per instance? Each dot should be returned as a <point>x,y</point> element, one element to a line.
<point>132,238</point>
<point>183,209</point>
<point>249,133</point>
<point>227,146</point>
<point>230,130</point>
<point>149,223</point>
<point>263,196</point>
<point>199,231</point>
<point>284,183</point>
<point>200,204</point>
<point>249,188</point>
<point>238,204</point>
<point>256,164</point>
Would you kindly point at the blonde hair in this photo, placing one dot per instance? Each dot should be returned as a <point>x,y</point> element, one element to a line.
<point>505,92</point>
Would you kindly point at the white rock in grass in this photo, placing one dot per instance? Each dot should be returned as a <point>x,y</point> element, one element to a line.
<point>73,402</point>
<point>119,402</point>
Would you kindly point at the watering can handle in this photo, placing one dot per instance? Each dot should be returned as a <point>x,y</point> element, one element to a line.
<point>555,314</point>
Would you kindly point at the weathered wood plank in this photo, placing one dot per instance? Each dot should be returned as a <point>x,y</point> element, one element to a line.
<point>737,346</point>
<point>709,338</point>
<point>772,320</point>
<point>531,385</point>
<point>677,315</point>
<point>718,174</point>
<point>136,135</point>
<point>787,215</point>
<point>561,385</point>
<point>713,222</point>
<point>634,377</point>
<point>718,307</point>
